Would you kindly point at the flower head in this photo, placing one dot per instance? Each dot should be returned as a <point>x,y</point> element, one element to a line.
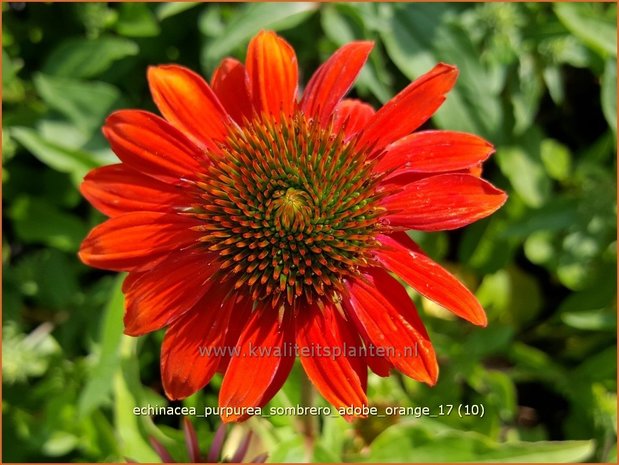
<point>251,221</point>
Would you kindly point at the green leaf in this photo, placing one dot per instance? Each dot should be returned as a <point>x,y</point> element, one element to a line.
<point>409,33</point>
<point>612,454</point>
<point>25,356</point>
<point>599,367</point>
<point>592,320</point>
<point>513,296</point>
<point>130,428</point>
<point>98,388</point>
<point>528,94</point>
<point>605,403</point>
<point>48,277</point>
<point>578,266</point>
<point>169,9</point>
<point>334,433</point>
<point>601,295</point>
<point>484,246</point>
<point>609,94</point>
<point>211,24</point>
<point>539,247</point>
<point>586,22</point>
<point>63,159</point>
<point>556,215</point>
<point>60,443</point>
<point>525,171</point>
<point>541,451</point>
<point>136,20</point>
<point>341,22</point>
<point>9,147</point>
<point>12,87</point>
<point>37,221</point>
<point>480,344</point>
<point>553,77</point>
<point>499,389</point>
<point>65,134</point>
<point>62,132</point>
<point>295,450</point>
<point>557,159</point>
<point>416,441</point>
<point>530,362</point>
<point>419,35</point>
<point>253,18</point>
<point>85,104</point>
<point>79,58</point>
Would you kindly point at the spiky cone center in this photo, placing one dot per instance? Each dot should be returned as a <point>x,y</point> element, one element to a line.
<point>291,208</point>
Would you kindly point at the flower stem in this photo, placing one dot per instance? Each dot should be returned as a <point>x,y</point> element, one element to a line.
<point>308,422</point>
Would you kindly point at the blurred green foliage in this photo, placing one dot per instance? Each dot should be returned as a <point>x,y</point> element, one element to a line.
<point>538,80</point>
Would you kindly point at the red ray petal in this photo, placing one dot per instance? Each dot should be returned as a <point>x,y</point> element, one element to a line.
<point>231,85</point>
<point>384,310</point>
<point>376,362</point>
<point>324,339</point>
<point>279,378</point>
<point>379,365</point>
<point>404,179</point>
<point>403,176</point>
<point>430,280</point>
<point>410,108</point>
<point>116,189</point>
<point>187,101</point>
<point>476,170</point>
<point>273,74</point>
<point>136,240</point>
<point>333,80</point>
<point>240,315</point>
<point>148,144</point>
<point>189,353</point>
<point>434,152</point>
<point>351,116</point>
<point>157,296</point>
<point>446,201</point>
<point>265,355</point>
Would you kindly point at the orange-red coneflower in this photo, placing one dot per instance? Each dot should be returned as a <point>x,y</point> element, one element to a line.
<point>252,220</point>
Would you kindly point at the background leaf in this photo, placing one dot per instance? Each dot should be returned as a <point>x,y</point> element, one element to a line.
<point>276,16</point>
<point>78,58</point>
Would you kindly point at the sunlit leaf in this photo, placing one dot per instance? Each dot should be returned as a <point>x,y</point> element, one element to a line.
<point>79,58</point>
<point>136,20</point>
<point>85,104</point>
<point>26,355</point>
<point>169,9</point>
<point>592,320</point>
<point>586,22</point>
<point>98,389</point>
<point>256,16</point>
<point>524,168</point>
<point>127,395</point>
<point>417,37</point>
<point>557,159</point>
<point>75,162</point>
<point>36,221</point>
<point>411,442</point>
